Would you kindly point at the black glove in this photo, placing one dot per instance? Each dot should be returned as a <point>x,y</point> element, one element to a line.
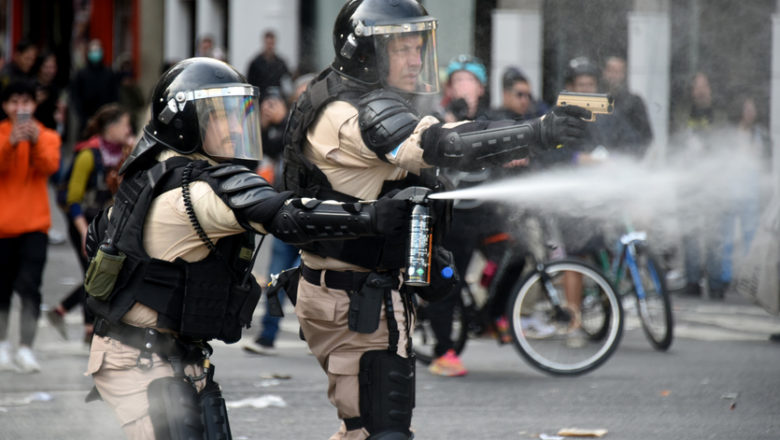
<point>564,125</point>
<point>392,216</point>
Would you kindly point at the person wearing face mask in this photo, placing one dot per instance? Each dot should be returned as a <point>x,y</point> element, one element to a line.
<point>20,68</point>
<point>30,153</point>
<point>93,86</point>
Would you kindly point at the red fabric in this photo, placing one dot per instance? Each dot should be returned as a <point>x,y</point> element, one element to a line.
<point>93,142</point>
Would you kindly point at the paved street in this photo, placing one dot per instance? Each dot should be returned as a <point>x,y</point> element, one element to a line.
<point>718,381</point>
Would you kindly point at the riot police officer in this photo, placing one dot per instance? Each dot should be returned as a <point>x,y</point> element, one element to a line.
<point>353,135</point>
<point>170,263</point>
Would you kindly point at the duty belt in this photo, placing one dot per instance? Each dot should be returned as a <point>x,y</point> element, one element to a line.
<point>150,340</point>
<point>346,280</point>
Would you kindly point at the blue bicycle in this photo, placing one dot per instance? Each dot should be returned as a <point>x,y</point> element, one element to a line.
<point>634,270</point>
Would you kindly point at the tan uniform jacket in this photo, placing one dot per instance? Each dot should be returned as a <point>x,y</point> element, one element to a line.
<point>168,234</point>
<point>334,144</point>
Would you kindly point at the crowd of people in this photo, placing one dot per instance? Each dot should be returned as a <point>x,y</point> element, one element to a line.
<point>344,151</point>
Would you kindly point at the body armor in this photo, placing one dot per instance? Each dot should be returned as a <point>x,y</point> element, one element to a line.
<point>206,299</point>
<point>304,179</point>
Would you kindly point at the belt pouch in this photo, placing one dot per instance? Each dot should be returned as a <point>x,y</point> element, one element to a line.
<point>365,305</point>
<point>242,301</point>
<point>102,274</point>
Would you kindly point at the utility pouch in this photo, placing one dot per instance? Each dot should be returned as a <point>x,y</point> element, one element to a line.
<point>365,305</point>
<point>174,409</point>
<point>242,301</point>
<point>103,271</point>
<point>386,391</point>
<point>206,297</point>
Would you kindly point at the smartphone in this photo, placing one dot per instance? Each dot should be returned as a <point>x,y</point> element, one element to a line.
<point>22,116</point>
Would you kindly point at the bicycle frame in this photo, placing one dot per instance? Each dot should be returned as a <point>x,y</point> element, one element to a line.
<point>626,257</point>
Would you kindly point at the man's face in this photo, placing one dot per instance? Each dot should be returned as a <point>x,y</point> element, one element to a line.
<point>584,84</point>
<point>518,98</point>
<point>222,132</point>
<point>405,62</point>
<point>464,84</point>
<point>25,60</point>
<point>270,43</point>
<point>614,73</point>
<point>18,103</point>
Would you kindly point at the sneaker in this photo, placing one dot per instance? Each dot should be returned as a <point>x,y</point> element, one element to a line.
<point>56,237</point>
<point>577,338</point>
<point>258,348</point>
<point>536,328</point>
<point>5,357</point>
<point>57,321</point>
<point>448,365</point>
<point>25,359</point>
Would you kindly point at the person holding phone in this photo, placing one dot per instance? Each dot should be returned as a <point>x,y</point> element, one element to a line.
<point>29,154</point>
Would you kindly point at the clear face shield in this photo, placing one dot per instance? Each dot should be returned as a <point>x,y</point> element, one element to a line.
<point>406,55</point>
<point>229,120</point>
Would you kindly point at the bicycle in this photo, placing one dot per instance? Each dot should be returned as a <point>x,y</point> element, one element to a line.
<point>541,321</point>
<point>646,284</point>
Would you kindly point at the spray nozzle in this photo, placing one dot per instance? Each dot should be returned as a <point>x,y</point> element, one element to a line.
<point>415,194</point>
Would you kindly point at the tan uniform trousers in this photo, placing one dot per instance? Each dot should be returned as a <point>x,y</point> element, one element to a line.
<point>122,385</point>
<point>322,313</point>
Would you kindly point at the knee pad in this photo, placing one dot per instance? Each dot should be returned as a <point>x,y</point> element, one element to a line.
<point>174,409</point>
<point>386,394</point>
<point>215,418</point>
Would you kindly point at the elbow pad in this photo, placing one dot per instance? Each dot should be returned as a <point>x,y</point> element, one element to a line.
<point>479,144</point>
<point>299,221</point>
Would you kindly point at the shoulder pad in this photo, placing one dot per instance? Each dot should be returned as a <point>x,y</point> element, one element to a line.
<point>386,120</point>
<point>226,169</point>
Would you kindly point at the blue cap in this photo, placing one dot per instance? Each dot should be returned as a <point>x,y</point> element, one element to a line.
<point>447,272</point>
<point>469,64</point>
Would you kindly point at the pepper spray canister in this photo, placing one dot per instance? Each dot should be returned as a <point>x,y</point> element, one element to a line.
<point>418,262</point>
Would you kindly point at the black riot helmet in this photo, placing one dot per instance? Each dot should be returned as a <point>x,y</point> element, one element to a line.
<point>387,42</point>
<point>205,105</point>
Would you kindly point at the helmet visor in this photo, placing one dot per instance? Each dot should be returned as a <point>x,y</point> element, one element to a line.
<point>229,120</point>
<point>406,55</point>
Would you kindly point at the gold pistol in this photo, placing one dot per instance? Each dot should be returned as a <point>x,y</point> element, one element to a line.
<point>597,103</point>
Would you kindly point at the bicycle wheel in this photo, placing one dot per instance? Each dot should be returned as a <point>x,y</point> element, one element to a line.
<point>423,338</point>
<point>547,336</point>
<point>655,305</point>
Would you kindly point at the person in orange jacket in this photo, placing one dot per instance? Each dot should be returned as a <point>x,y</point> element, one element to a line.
<point>29,154</point>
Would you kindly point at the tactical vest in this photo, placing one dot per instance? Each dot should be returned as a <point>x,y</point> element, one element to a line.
<point>306,180</point>
<point>207,299</point>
